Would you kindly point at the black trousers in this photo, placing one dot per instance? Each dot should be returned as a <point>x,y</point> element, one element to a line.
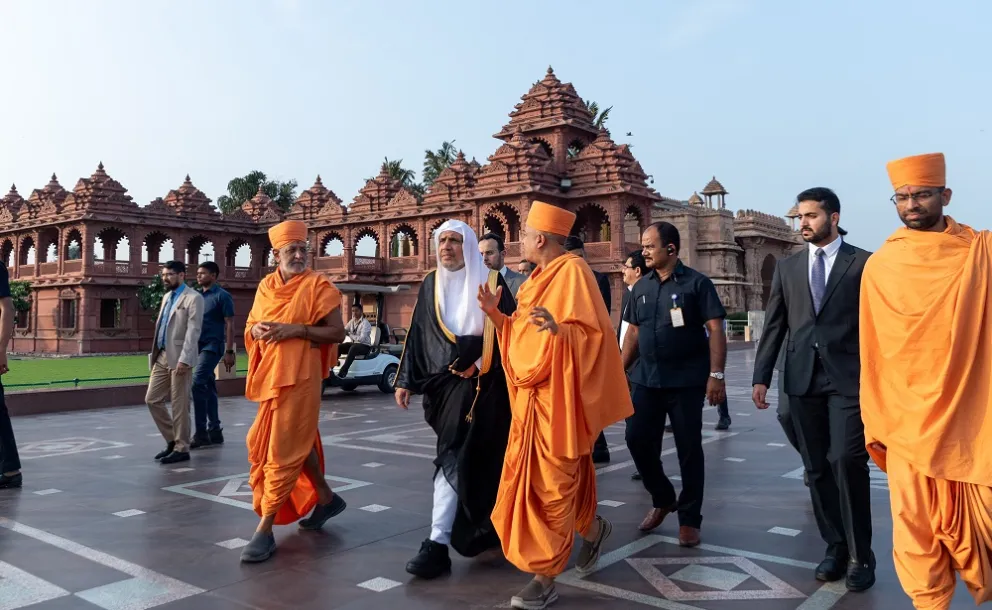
<point>601,444</point>
<point>645,428</point>
<point>9,460</point>
<point>784,415</point>
<point>831,439</point>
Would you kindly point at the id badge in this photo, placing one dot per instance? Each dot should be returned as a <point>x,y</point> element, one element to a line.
<point>677,320</point>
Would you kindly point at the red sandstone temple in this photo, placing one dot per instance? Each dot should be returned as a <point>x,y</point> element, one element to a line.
<point>84,298</point>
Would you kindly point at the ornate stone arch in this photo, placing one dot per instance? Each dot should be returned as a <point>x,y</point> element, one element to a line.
<point>231,250</point>
<point>70,236</point>
<point>111,238</point>
<point>24,246</point>
<point>633,225</point>
<point>398,246</point>
<point>543,142</point>
<point>432,226</point>
<point>364,232</point>
<point>152,243</point>
<point>194,249</point>
<point>7,251</point>
<point>507,216</point>
<point>592,223</point>
<point>325,240</point>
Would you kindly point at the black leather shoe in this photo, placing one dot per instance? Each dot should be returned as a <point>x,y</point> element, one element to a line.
<point>11,482</point>
<point>831,569</point>
<point>601,456</point>
<point>200,439</point>
<point>216,437</point>
<point>636,477</point>
<point>431,562</point>
<point>724,423</point>
<point>861,576</point>
<point>168,450</point>
<point>175,456</point>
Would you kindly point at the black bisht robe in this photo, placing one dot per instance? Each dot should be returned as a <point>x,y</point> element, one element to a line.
<point>471,417</point>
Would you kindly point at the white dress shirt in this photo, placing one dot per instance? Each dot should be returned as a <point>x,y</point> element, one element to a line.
<point>503,271</point>
<point>623,323</point>
<point>829,256</point>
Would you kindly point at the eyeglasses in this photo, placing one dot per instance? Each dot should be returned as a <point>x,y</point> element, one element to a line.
<point>916,197</point>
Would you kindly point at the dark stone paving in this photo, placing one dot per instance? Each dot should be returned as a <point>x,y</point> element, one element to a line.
<point>99,524</point>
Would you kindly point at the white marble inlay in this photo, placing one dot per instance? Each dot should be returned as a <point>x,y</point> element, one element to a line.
<point>373,465</point>
<point>374,508</point>
<point>743,414</point>
<point>33,450</point>
<point>714,578</point>
<point>225,490</point>
<point>129,594</point>
<point>379,584</point>
<point>610,503</point>
<point>112,457</point>
<point>47,492</point>
<point>239,425</point>
<point>675,477</point>
<point>370,421</point>
<point>233,543</point>
<point>784,531</point>
<point>19,589</point>
<point>182,470</point>
<point>776,444</point>
<point>129,513</point>
<point>153,435</point>
<point>731,459</point>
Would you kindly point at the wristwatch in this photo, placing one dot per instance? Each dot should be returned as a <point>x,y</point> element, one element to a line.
<point>717,376</point>
<point>230,351</point>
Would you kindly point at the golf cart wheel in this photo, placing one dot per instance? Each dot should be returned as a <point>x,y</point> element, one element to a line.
<point>388,382</point>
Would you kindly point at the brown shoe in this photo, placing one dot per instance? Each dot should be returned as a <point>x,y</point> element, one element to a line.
<point>688,536</point>
<point>655,516</point>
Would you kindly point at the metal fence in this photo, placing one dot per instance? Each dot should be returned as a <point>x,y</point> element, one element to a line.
<point>75,382</point>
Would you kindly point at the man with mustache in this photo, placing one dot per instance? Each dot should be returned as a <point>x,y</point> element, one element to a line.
<point>452,360</point>
<point>813,306</point>
<point>293,326</point>
<point>926,352</point>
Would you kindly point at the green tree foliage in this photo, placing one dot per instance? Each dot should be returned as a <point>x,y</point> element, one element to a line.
<point>20,294</point>
<point>240,190</point>
<point>437,161</point>
<point>150,294</point>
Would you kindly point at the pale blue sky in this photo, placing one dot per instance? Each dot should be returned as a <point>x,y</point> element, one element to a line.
<point>770,96</point>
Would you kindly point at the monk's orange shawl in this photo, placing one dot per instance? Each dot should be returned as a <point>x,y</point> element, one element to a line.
<point>285,378</point>
<point>926,352</point>
<point>580,368</point>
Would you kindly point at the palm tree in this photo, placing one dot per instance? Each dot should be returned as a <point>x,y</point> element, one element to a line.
<point>436,162</point>
<point>406,177</point>
<point>598,118</point>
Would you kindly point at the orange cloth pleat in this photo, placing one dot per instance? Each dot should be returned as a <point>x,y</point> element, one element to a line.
<point>285,378</point>
<point>564,390</point>
<point>926,352</point>
<point>939,527</point>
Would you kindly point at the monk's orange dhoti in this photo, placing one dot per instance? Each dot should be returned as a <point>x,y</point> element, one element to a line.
<point>564,390</point>
<point>939,527</point>
<point>926,402</point>
<point>285,378</point>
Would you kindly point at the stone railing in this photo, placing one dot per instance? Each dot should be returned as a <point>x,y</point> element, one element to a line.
<point>368,264</point>
<point>73,266</point>
<point>49,268</point>
<point>329,263</point>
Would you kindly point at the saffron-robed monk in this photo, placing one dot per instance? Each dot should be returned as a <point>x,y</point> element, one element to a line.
<point>566,385</point>
<point>290,338</point>
<point>926,386</point>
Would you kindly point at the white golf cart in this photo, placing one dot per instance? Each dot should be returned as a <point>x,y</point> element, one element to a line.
<point>365,365</point>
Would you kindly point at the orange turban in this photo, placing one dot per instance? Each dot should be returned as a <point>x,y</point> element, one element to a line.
<point>921,170</point>
<point>287,232</point>
<point>550,218</point>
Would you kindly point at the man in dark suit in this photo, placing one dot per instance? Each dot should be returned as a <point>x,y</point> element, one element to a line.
<point>574,245</point>
<point>634,268</point>
<point>493,252</point>
<point>814,305</point>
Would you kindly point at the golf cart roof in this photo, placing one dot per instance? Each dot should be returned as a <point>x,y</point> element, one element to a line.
<point>371,288</point>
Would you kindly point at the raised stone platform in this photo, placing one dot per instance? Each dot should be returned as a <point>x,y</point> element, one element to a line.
<point>99,524</point>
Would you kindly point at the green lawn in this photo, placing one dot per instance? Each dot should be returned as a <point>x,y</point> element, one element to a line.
<point>91,371</point>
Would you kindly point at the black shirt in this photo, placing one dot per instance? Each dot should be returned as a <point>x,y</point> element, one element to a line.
<point>671,357</point>
<point>4,282</point>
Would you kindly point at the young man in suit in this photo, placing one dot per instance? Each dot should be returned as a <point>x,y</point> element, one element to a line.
<point>813,306</point>
<point>10,463</point>
<point>494,254</point>
<point>175,351</point>
<point>574,245</point>
<point>634,268</point>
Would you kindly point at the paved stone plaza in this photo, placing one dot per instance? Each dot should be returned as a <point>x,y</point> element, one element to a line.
<point>99,524</point>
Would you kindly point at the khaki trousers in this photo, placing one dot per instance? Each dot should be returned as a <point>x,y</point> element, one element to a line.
<point>167,385</point>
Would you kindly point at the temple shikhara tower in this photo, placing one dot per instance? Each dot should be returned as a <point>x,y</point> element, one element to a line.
<point>84,295</point>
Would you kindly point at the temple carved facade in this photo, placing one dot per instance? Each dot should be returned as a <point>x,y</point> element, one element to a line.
<point>87,250</point>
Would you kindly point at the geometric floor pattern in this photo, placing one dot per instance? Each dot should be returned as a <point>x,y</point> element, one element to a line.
<point>100,524</point>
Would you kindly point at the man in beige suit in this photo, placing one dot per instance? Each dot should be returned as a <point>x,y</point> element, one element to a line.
<point>174,354</point>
